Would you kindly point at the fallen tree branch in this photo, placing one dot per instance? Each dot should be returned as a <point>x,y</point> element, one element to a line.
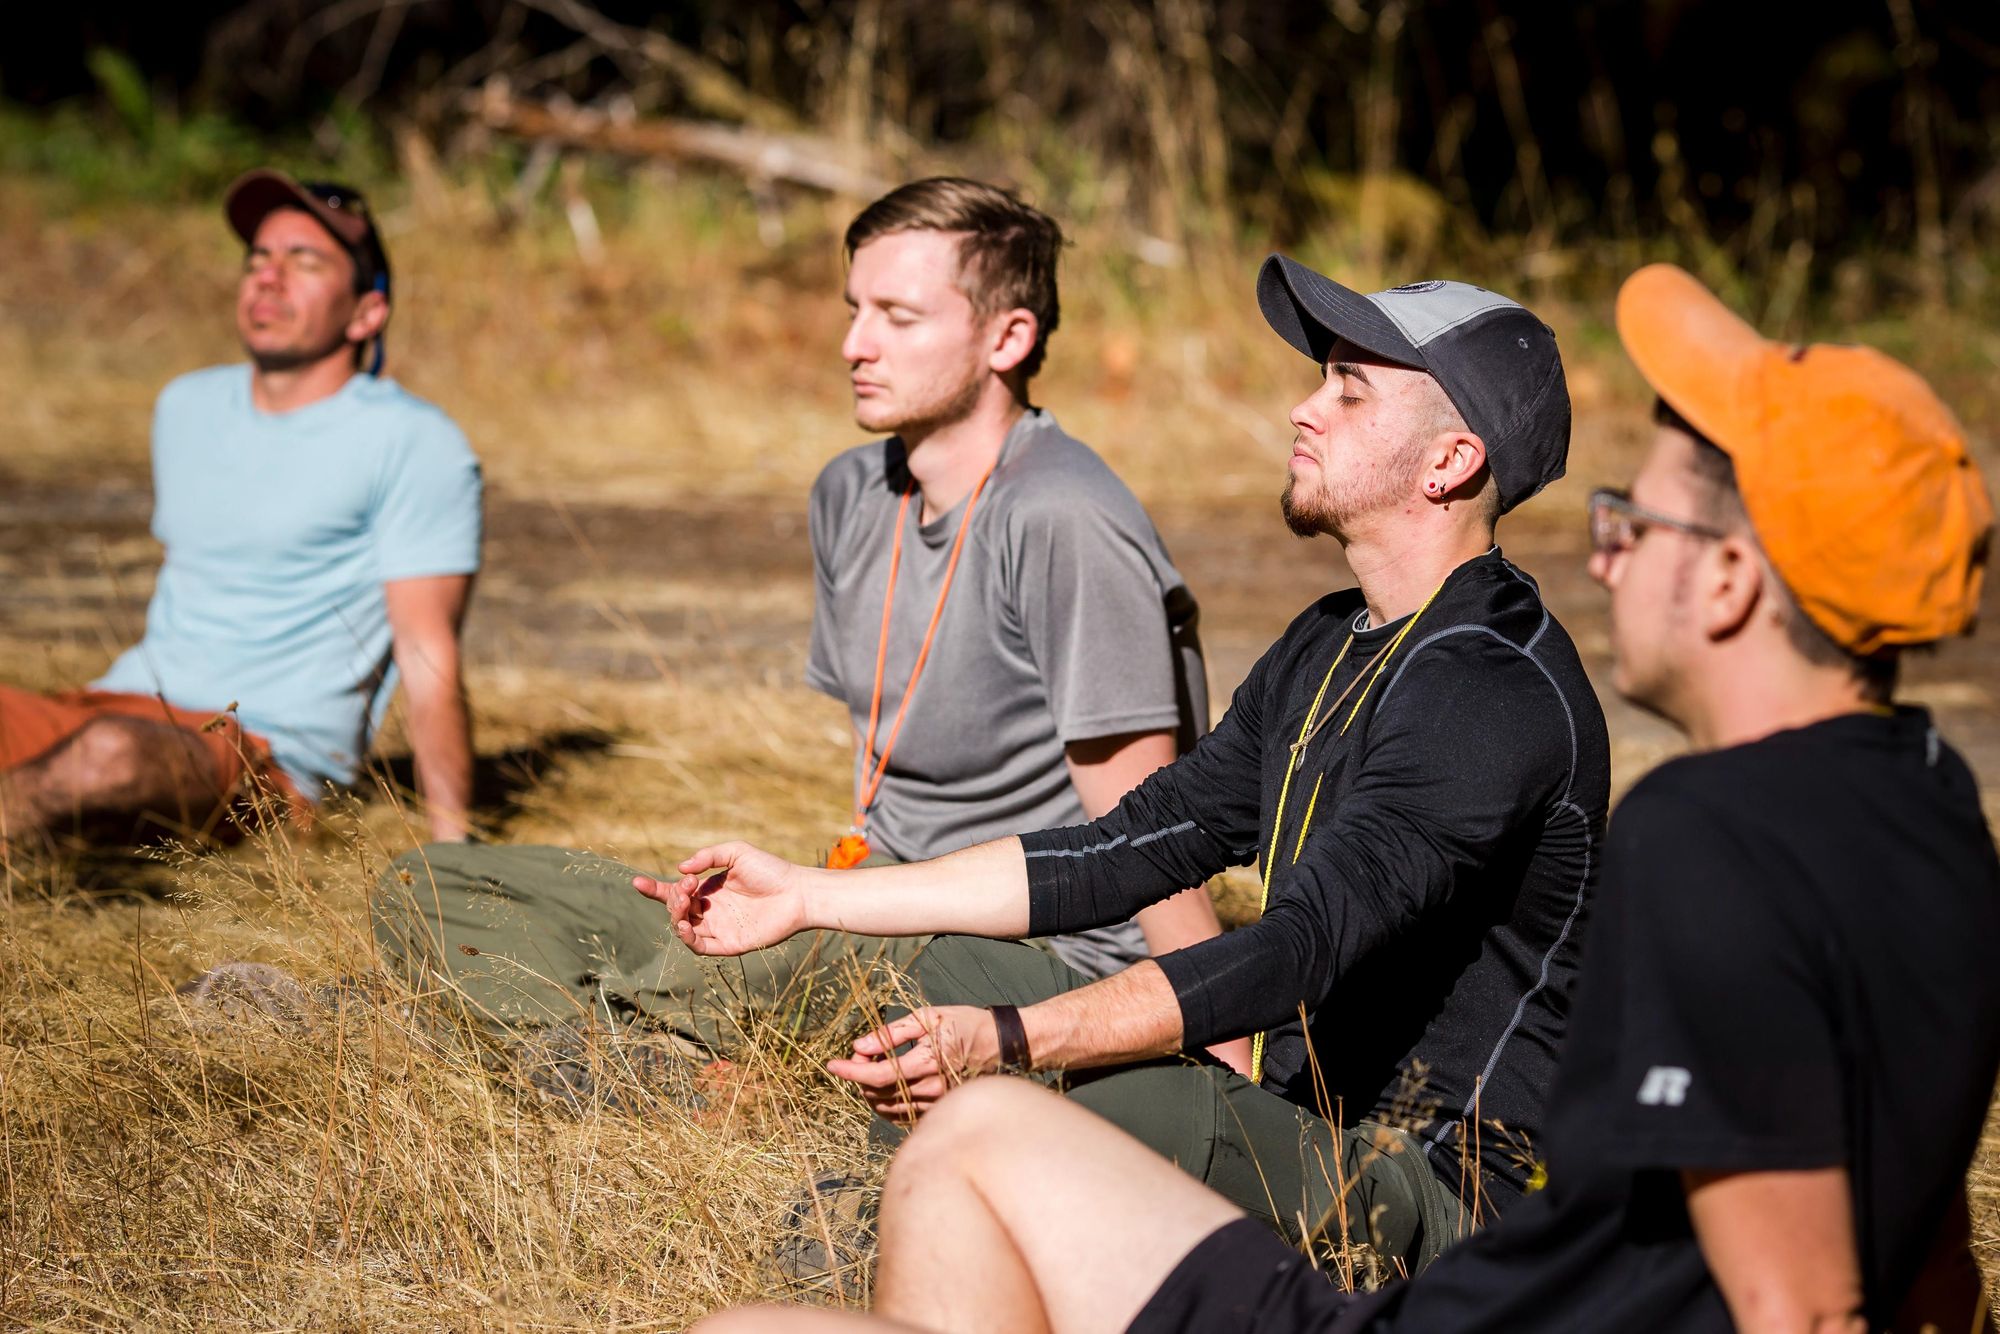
<point>796,159</point>
<point>711,88</point>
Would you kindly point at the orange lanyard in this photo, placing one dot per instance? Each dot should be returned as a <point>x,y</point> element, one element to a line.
<point>852,848</point>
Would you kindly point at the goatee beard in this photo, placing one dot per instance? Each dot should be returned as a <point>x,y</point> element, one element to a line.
<point>1304,520</point>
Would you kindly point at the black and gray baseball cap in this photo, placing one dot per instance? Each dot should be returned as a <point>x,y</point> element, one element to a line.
<point>1496,362</point>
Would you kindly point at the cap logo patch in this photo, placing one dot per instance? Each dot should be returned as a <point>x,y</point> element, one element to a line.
<point>1429,285</point>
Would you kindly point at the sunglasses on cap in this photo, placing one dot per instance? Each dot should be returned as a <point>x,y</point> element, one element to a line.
<point>344,198</point>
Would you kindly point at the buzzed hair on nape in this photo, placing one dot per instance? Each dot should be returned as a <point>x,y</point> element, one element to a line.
<point>1444,416</point>
<point>1007,259</point>
<point>1713,467</point>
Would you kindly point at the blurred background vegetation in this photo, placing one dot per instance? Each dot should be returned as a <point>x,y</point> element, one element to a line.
<point>1846,151</point>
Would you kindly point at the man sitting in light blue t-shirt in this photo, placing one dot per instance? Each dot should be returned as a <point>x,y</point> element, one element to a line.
<point>321,529</point>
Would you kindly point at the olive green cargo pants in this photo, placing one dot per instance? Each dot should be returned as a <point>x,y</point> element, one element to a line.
<point>527,936</point>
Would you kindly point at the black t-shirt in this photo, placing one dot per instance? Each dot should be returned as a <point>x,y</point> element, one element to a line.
<point>1791,967</point>
<point>1430,919</point>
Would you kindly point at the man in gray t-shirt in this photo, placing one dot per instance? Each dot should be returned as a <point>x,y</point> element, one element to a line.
<point>1066,623</point>
<point>1062,665</point>
<point>1038,656</point>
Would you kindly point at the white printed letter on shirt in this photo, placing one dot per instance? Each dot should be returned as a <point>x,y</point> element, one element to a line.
<point>1665,1086</point>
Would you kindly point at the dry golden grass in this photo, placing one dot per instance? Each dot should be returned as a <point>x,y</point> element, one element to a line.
<point>364,1171</point>
<point>360,1172</point>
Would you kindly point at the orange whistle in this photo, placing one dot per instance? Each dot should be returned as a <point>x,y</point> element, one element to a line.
<point>850,850</point>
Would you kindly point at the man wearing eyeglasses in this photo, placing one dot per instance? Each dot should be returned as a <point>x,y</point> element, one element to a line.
<point>321,529</point>
<point>1788,1028</point>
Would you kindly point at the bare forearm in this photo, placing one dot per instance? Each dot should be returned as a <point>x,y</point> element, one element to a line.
<point>1129,1016</point>
<point>978,891</point>
<point>425,614</point>
<point>441,743</point>
<point>1781,1248</point>
<point>1178,922</point>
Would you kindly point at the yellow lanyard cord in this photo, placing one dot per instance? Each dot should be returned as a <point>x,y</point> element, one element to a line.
<point>1307,731</point>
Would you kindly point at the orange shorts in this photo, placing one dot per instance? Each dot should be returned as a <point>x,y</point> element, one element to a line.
<point>33,724</point>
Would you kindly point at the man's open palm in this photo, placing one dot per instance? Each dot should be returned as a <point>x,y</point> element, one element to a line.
<point>731,899</point>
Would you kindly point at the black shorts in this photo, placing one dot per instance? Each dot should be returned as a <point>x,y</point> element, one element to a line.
<point>1242,1279</point>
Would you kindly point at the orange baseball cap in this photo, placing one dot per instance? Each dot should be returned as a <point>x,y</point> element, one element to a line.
<point>1856,477</point>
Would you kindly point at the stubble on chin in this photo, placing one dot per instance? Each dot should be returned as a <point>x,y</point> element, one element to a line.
<point>921,419</point>
<point>279,357</point>
<point>277,360</point>
<point>1305,516</point>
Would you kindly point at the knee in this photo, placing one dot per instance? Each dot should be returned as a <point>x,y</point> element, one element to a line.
<point>106,755</point>
<point>983,1107</point>
<point>973,1125</point>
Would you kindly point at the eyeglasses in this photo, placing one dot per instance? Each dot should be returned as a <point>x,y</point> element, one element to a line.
<point>1616,524</point>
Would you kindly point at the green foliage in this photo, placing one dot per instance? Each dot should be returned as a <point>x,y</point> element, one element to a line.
<point>128,145</point>
<point>124,88</point>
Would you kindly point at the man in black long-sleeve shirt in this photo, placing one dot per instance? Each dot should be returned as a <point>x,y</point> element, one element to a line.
<point>1421,768</point>
<point>1425,916</point>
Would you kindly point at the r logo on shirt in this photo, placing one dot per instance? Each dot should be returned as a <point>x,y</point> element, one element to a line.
<point>1665,1086</point>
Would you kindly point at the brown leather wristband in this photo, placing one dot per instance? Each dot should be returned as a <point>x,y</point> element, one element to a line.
<point>1014,1056</point>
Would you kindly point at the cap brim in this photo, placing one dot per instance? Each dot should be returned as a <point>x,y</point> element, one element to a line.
<point>255,194</point>
<point>1312,312</point>
<point>1693,350</point>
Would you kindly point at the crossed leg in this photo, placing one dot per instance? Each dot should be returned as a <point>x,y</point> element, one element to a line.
<point>1013,1208</point>
<point>113,766</point>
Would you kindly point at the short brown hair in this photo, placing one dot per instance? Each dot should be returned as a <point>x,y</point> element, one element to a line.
<point>1007,259</point>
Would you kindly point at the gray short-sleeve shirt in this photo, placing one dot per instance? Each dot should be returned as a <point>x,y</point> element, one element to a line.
<point>1066,622</point>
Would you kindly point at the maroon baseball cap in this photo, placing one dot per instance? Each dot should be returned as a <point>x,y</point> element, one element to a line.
<point>338,208</point>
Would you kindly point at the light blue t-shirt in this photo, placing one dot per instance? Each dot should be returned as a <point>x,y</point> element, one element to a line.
<point>280,530</point>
